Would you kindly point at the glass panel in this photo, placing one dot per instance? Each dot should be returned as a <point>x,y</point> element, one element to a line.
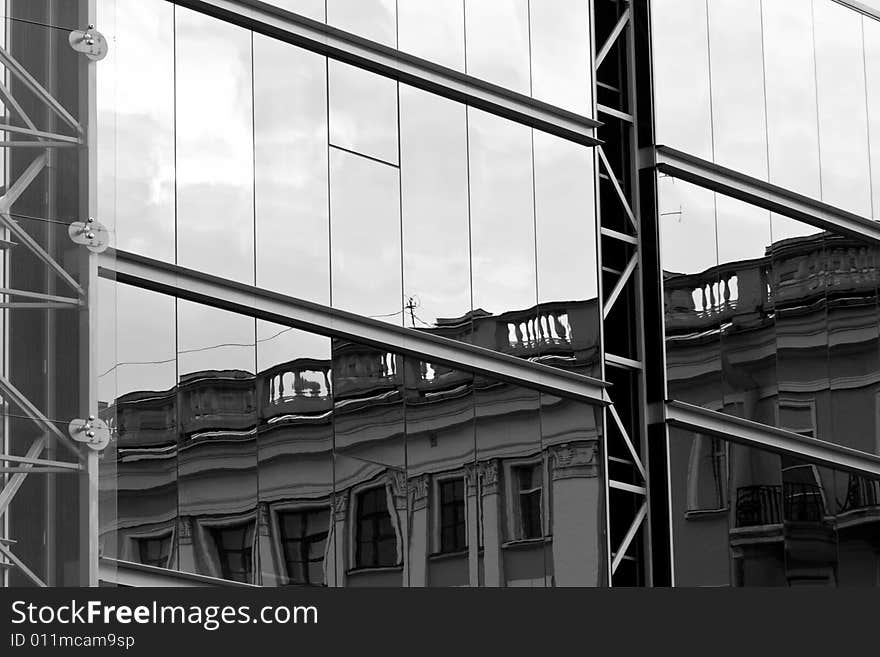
<point>372,19</point>
<point>433,30</point>
<point>843,128</point>
<point>560,49</point>
<point>872,71</point>
<point>502,233</point>
<point>691,292</point>
<point>139,113</point>
<point>738,121</point>
<point>789,521</point>
<point>514,519</point>
<point>365,237</point>
<point>370,466</point>
<point>295,447</point>
<point>440,448</point>
<point>792,128</point>
<point>748,346</point>
<point>853,349</point>
<point>217,463</point>
<point>145,415</point>
<point>497,41</point>
<point>436,242</point>
<point>568,322</point>
<point>363,112</point>
<point>290,159</point>
<point>215,154</point>
<point>571,436</point>
<point>681,76</point>
<point>799,286</point>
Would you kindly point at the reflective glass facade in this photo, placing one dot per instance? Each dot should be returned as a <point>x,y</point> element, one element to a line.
<point>440,293</point>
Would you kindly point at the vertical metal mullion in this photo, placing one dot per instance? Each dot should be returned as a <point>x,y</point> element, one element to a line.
<point>635,205</point>
<point>88,338</point>
<point>601,296</point>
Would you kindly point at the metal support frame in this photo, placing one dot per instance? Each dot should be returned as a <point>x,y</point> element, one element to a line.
<point>244,299</point>
<point>18,467</point>
<point>403,67</point>
<point>631,438</point>
<point>760,193</point>
<point>736,429</point>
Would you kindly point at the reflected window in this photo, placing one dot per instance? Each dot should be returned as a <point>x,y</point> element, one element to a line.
<point>528,499</point>
<point>376,538</point>
<point>155,550</point>
<point>304,537</point>
<point>453,533</point>
<point>235,550</point>
<point>707,475</point>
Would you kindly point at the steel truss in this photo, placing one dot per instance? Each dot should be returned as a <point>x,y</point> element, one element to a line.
<point>84,440</point>
<point>626,466</point>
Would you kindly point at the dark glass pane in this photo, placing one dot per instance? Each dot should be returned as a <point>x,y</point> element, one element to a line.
<point>217,463</point>
<point>370,462</point>
<point>508,432</point>
<point>146,418</point>
<point>790,521</point>
<point>571,436</point>
<point>295,439</point>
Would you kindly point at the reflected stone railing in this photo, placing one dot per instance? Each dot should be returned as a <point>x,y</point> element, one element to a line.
<point>793,272</point>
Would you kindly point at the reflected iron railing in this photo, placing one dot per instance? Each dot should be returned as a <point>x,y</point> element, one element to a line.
<point>861,493</point>
<point>771,504</point>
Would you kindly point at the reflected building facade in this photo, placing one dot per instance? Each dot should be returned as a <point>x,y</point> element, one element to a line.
<point>454,293</point>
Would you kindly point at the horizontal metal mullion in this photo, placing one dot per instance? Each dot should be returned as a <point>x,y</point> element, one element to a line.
<point>763,194</point>
<point>738,430</point>
<point>408,69</point>
<point>127,573</point>
<point>270,306</point>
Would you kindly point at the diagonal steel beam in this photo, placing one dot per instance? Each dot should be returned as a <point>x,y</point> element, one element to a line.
<point>16,480</point>
<point>621,283</point>
<point>173,280</point>
<point>22,74</point>
<point>628,442</point>
<point>272,21</point>
<point>9,100</point>
<point>22,566</point>
<point>630,535</point>
<point>620,195</point>
<point>15,395</point>
<point>613,37</point>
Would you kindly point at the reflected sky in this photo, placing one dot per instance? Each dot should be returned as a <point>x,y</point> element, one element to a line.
<point>720,66</point>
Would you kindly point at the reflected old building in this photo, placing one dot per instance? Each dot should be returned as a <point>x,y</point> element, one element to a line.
<point>788,339</point>
<point>453,293</point>
<point>368,468</point>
